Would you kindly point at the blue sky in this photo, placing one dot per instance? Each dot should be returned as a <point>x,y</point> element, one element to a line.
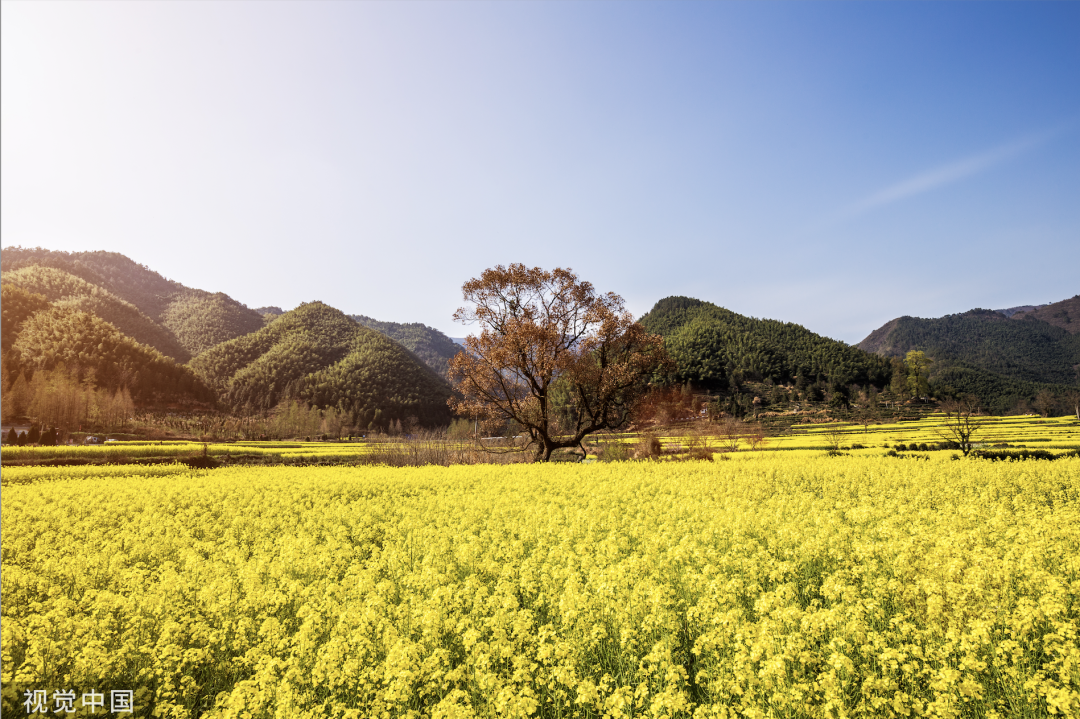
<point>831,164</point>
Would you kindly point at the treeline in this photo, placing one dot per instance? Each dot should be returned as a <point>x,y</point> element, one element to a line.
<point>715,349</point>
<point>58,398</point>
<point>292,419</point>
<point>70,368</point>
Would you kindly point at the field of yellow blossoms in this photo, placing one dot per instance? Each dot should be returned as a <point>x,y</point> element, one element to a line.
<point>782,585</point>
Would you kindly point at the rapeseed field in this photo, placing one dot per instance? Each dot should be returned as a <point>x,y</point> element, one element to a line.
<point>783,585</point>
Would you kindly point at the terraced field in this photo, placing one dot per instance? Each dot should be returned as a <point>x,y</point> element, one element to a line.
<point>1058,434</point>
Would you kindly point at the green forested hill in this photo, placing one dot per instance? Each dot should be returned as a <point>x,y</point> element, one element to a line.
<point>427,343</point>
<point>999,394</point>
<point>1027,350</point>
<point>318,354</point>
<point>63,288</point>
<point>713,346</point>
<point>16,305</point>
<point>188,320</point>
<point>100,355</point>
<point>120,275</point>
<point>200,320</point>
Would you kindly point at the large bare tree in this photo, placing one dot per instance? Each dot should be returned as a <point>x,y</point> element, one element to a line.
<point>553,357</point>
<point>961,422</point>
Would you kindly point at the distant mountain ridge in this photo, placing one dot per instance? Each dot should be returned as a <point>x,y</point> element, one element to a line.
<point>1064,314</point>
<point>1010,311</point>
<point>148,323</point>
<point>1000,357</point>
<point>427,343</point>
<point>1026,349</point>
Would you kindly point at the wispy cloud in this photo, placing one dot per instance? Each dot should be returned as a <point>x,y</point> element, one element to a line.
<point>951,173</point>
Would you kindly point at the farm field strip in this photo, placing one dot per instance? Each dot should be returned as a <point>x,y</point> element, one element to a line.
<point>778,585</point>
<point>1062,433</point>
<point>37,473</point>
<point>184,449</point>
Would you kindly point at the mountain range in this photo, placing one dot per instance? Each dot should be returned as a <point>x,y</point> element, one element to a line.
<point>115,323</point>
<point>1002,356</point>
<point>108,322</point>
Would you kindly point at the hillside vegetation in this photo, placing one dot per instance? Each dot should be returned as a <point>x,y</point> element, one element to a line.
<point>118,274</point>
<point>999,393</point>
<point>318,354</point>
<point>16,305</point>
<point>200,319</point>
<point>1005,361</point>
<point>184,321</point>
<point>97,353</point>
<point>713,347</point>
<point>1064,314</point>
<point>63,288</point>
<point>427,343</point>
<point>1030,350</point>
<point>70,369</point>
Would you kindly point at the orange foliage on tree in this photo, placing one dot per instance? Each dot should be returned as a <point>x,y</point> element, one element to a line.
<point>663,405</point>
<point>553,357</point>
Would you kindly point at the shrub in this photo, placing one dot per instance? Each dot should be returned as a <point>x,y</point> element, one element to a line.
<point>648,447</point>
<point>614,452</point>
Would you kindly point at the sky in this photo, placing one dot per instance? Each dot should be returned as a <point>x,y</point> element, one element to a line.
<point>831,164</point>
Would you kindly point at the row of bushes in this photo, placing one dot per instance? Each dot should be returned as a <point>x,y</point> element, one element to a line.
<point>926,446</point>
<point>1019,454</point>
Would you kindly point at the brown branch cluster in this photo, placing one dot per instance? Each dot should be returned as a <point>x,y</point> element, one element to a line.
<point>961,422</point>
<point>553,358</point>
